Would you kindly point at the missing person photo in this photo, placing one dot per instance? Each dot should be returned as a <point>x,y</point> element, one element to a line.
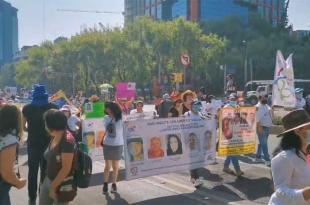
<point>135,149</point>
<point>174,145</point>
<point>207,140</point>
<point>89,140</point>
<point>193,143</point>
<point>227,128</point>
<point>155,149</point>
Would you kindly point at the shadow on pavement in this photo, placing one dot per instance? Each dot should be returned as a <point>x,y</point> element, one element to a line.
<point>254,188</point>
<point>182,199</point>
<point>97,179</point>
<point>117,199</point>
<point>209,176</point>
<point>229,194</point>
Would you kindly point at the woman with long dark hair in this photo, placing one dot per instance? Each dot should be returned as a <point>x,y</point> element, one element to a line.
<point>290,171</point>
<point>112,144</point>
<point>174,145</point>
<point>10,134</point>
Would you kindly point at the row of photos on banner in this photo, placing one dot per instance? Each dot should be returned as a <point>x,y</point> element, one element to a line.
<point>157,146</point>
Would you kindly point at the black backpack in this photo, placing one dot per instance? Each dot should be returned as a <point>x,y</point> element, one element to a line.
<point>84,167</point>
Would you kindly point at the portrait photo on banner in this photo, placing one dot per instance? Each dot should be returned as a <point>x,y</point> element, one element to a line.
<point>89,140</point>
<point>155,148</point>
<point>192,142</point>
<point>207,141</point>
<point>174,144</point>
<point>135,149</point>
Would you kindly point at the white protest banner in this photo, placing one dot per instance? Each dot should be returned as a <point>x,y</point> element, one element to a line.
<point>237,131</point>
<point>283,93</point>
<point>93,134</point>
<point>160,146</point>
<point>136,116</point>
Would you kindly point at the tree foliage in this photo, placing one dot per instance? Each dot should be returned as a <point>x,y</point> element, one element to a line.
<point>145,51</point>
<point>258,43</point>
<point>136,53</point>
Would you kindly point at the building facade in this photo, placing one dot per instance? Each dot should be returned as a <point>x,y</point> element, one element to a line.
<point>273,11</point>
<point>214,10</point>
<point>211,10</point>
<point>133,8</point>
<point>160,10</point>
<point>8,32</point>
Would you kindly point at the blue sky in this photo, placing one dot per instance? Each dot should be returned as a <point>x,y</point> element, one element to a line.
<point>33,30</point>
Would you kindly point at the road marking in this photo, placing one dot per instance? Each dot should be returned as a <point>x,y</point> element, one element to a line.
<point>192,189</point>
<point>174,191</point>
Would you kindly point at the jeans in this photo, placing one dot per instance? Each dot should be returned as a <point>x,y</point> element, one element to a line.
<point>44,198</point>
<point>234,161</point>
<point>4,193</point>
<point>35,160</point>
<point>263,146</point>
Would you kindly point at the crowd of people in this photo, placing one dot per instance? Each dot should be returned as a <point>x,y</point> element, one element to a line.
<point>54,133</point>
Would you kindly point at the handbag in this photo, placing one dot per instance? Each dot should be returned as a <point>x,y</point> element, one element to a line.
<point>67,190</point>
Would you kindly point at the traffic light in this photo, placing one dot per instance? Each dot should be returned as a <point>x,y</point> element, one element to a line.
<point>180,77</point>
<point>173,77</point>
<point>177,77</point>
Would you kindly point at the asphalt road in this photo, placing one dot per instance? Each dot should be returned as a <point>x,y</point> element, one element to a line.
<point>255,187</point>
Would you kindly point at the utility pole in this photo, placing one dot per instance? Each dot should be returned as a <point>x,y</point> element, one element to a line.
<point>245,61</point>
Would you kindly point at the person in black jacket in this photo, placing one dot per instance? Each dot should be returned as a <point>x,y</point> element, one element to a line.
<point>165,106</point>
<point>38,139</point>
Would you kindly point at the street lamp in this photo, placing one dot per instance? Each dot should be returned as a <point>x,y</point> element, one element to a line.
<point>244,43</point>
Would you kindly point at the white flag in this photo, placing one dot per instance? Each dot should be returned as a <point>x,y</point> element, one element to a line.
<point>283,86</point>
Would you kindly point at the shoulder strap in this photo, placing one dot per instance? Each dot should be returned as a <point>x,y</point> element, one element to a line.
<point>17,152</point>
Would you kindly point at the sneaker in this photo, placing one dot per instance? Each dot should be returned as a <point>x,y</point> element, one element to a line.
<point>258,160</point>
<point>228,170</point>
<point>114,188</point>
<point>105,188</point>
<point>239,173</point>
<point>268,163</point>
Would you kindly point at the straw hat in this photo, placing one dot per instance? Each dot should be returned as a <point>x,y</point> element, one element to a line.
<point>295,120</point>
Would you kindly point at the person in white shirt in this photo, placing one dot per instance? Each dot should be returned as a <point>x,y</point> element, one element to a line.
<point>139,108</point>
<point>264,122</point>
<point>195,113</point>
<point>112,144</point>
<point>290,171</point>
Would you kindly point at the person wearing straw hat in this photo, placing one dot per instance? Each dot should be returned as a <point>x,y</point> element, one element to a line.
<point>290,171</point>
